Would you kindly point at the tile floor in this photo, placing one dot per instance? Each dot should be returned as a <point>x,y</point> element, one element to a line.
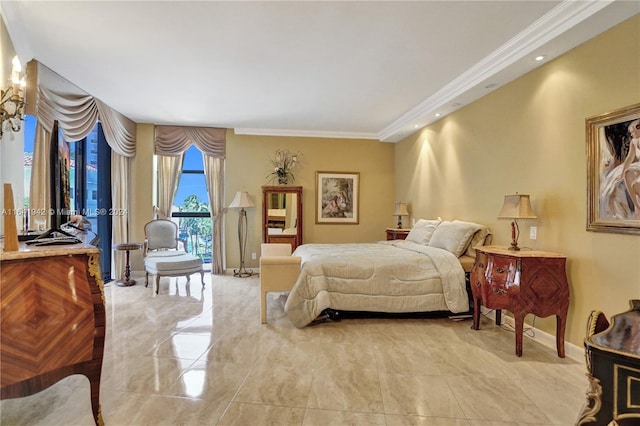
<point>203,358</point>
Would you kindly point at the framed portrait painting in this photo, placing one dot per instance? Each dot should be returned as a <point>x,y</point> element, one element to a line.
<point>337,197</point>
<point>613,171</point>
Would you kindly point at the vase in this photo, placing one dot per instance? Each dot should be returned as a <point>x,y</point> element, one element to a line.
<point>283,180</point>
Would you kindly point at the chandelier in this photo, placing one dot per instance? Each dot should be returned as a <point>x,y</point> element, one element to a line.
<point>12,100</point>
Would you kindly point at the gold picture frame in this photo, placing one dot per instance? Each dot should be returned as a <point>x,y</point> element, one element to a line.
<point>613,171</point>
<point>337,197</point>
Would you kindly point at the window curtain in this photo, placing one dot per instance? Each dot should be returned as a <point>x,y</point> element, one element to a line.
<point>214,177</point>
<point>169,170</point>
<point>211,141</point>
<point>77,114</point>
<point>120,204</point>
<point>39,192</point>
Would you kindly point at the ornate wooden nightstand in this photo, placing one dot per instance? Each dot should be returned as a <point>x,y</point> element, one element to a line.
<point>397,233</point>
<point>522,282</point>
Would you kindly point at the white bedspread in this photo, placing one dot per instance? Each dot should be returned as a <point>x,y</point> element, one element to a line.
<point>389,276</point>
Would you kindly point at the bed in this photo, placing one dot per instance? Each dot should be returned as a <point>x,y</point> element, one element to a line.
<point>424,273</point>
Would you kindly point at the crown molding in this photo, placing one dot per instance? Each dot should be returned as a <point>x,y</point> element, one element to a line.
<point>305,133</point>
<point>557,21</point>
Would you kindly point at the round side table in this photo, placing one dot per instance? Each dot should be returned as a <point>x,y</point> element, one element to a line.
<point>127,247</point>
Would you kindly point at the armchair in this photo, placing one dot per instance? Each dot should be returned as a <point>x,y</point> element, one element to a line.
<point>162,256</point>
<point>278,272</point>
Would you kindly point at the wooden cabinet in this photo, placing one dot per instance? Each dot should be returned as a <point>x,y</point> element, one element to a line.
<point>53,319</point>
<point>613,364</point>
<point>282,215</point>
<point>522,282</point>
<point>397,233</point>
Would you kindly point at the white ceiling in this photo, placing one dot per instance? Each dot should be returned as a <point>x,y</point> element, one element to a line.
<point>351,69</point>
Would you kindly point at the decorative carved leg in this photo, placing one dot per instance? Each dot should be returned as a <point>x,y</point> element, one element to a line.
<point>561,321</point>
<point>519,319</point>
<point>95,401</point>
<point>594,402</point>
<point>476,313</point>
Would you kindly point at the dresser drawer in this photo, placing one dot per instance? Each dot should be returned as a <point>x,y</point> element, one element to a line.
<point>502,280</point>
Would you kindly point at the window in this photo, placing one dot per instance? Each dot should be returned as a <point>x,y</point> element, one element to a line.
<point>90,190</point>
<point>191,206</point>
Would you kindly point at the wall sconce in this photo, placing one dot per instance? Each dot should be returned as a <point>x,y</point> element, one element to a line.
<point>400,210</point>
<point>516,207</point>
<point>242,200</point>
<point>12,100</point>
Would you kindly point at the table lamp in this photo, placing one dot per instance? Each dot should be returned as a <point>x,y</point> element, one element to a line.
<point>517,206</point>
<point>400,210</point>
<point>242,201</point>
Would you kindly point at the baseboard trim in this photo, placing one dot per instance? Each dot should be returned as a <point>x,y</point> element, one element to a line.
<point>549,340</point>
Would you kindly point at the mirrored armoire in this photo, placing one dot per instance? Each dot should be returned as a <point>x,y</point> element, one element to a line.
<point>282,215</point>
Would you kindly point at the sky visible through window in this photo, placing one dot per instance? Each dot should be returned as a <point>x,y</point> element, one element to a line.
<point>192,183</point>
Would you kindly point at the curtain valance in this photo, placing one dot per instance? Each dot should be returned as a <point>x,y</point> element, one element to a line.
<point>78,114</point>
<point>174,140</point>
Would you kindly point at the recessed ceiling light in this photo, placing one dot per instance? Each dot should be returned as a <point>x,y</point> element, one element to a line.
<point>540,57</point>
<point>438,114</point>
<point>490,86</point>
<point>415,126</point>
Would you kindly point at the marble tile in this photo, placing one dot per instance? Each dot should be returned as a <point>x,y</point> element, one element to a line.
<point>276,385</point>
<point>151,375</point>
<point>495,399</point>
<point>196,356</point>
<point>240,414</point>
<point>400,420</point>
<point>346,389</point>
<point>421,395</point>
<point>409,358</point>
<point>56,405</point>
<point>314,417</point>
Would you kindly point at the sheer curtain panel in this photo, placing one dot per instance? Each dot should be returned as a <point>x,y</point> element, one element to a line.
<point>211,141</point>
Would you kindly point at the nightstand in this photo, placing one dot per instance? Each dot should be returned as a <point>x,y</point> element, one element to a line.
<point>397,233</point>
<point>522,282</point>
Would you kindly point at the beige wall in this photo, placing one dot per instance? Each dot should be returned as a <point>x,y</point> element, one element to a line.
<point>141,187</point>
<point>246,169</point>
<point>12,143</point>
<point>529,137</point>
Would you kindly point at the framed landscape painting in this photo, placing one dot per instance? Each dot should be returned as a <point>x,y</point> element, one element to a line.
<point>337,197</point>
<point>613,171</point>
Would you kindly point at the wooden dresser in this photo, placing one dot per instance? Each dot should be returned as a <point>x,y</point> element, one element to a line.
<point>522,282</point>
<point>397,233</point>
<point>53,319</point>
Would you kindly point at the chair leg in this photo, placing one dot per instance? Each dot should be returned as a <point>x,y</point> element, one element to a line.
<point>202,277</point>
<point>157,283</point>
<point>146,279</point>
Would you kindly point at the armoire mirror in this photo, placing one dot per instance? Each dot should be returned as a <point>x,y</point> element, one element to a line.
<point>282,215</point>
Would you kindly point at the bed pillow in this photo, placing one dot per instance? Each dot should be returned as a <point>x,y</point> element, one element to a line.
<point>422,231</point>
<point>478,239</point>
<point>454,236</point>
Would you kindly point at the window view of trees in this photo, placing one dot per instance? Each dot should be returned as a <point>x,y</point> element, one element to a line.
<point>196,231</point>
<point>191,207</point>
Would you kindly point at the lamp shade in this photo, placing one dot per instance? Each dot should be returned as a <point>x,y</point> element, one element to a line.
<point>241,200</point>
<point>517,206</point>
<point>400,209</point>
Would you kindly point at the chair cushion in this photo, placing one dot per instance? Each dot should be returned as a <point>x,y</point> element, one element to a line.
<point>171,262</point>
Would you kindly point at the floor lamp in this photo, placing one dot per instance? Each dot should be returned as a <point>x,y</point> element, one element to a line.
<point>242,200</point>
